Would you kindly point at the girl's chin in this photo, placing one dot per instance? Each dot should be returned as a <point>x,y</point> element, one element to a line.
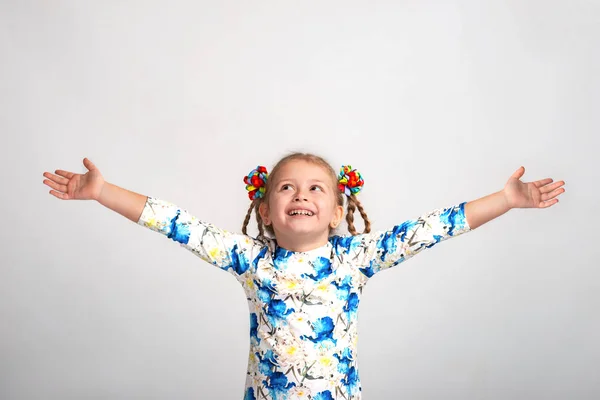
<point>301,228</point>
<point>301,221</point>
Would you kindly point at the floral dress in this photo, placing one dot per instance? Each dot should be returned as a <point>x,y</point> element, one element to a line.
<point>303,305</point>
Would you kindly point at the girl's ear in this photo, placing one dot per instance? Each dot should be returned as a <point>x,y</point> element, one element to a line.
<point>263,210</point>
<point>337,216</point>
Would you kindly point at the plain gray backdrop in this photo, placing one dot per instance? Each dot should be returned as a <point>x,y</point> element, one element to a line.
<point>435,102</point>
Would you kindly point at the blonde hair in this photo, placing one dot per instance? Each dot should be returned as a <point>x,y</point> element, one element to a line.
<point>353,202</point>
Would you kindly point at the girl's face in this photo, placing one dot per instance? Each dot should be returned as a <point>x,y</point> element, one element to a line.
<point>302,204</point>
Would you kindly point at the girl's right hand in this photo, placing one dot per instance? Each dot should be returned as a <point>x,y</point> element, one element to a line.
<point>70,186</point>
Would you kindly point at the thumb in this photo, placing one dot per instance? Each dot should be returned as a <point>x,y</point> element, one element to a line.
<point>518,173</point>
<point>88,164</point>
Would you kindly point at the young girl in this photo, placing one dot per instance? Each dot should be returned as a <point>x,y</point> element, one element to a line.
<point>302,282</point>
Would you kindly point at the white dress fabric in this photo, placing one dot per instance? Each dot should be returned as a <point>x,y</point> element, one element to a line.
<point>303,305</point>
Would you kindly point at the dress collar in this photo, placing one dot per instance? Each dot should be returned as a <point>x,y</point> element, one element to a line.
<point>280,253</point>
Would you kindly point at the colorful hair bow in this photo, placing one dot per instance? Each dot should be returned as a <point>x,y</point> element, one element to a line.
<point>255,182</point>
<point>349,181</point>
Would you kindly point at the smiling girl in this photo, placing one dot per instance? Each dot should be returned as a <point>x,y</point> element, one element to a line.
<point>303,282</point>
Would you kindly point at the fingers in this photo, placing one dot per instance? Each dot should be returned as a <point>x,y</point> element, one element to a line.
<point>66,174</point>
<point>56,186</point>
<point>551,195</point>
<point>542,182</point>
<point>62,196</point>
<point>56,178</point>
<point>554,186</point>
<point>546,204</point>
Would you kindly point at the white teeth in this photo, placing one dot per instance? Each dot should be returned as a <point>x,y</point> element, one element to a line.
<point>303,212</point>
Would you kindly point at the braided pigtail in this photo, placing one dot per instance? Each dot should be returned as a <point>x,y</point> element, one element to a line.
<point>255,182</point>
<point>350,182</point>
<point>248,215</point>
<point>259,221</point>
<point>353,204</point>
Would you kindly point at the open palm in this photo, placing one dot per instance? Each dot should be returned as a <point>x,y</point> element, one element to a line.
<point>538,194</point>
<point>71,186</point>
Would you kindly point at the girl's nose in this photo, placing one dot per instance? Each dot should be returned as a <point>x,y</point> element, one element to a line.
<point>300,198</point>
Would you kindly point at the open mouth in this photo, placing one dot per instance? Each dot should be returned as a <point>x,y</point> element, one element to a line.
<point>305,213</point>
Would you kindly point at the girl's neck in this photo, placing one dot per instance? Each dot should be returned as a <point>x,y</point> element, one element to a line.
<point>301,244</point>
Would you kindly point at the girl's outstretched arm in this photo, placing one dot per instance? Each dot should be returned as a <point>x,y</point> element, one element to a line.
<point>378,251</point>
<point>228,251</point>
<point>516,194</point>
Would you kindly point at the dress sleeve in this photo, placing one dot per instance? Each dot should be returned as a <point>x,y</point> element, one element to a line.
<point>378,251</point>
<point>228,251</point>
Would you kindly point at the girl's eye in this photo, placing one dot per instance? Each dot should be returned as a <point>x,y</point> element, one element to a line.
<point>284,187</point>
<point>317,187</point>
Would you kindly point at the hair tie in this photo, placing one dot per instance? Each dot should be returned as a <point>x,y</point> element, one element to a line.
<point>255,182</point>
<point>350,181</point>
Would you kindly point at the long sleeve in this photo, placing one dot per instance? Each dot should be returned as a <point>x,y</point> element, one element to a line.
<point>228,251</point>
<point>378,251</point>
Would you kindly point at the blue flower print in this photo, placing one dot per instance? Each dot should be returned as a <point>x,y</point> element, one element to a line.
<point>370,270</point>
<point>267,363</point>
<point>281,255</point>
<point>265,290</point>
<point>278,385</point>
<point>323,329</point>
<point>262,254</point>
<point>343,288</point>
<point>239,262</point>
<point>277,311</point>
<point>178,232</point>
<point>322,266</point>
<point>345,244</point>
<point>454,217</point>
<point>249,394</point>
<point>254,328</point>
<point>387,244</point>
<point>436,240</point>
<point>351,381</point>
<point>344,360</point>
<point>326,395</point>
<point>390,239</point>
<point>351,307</point>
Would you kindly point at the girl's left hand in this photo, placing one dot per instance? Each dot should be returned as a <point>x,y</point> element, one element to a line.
<point>538,194</point>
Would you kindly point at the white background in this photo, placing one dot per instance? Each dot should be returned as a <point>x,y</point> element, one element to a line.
<point>435,102</point>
